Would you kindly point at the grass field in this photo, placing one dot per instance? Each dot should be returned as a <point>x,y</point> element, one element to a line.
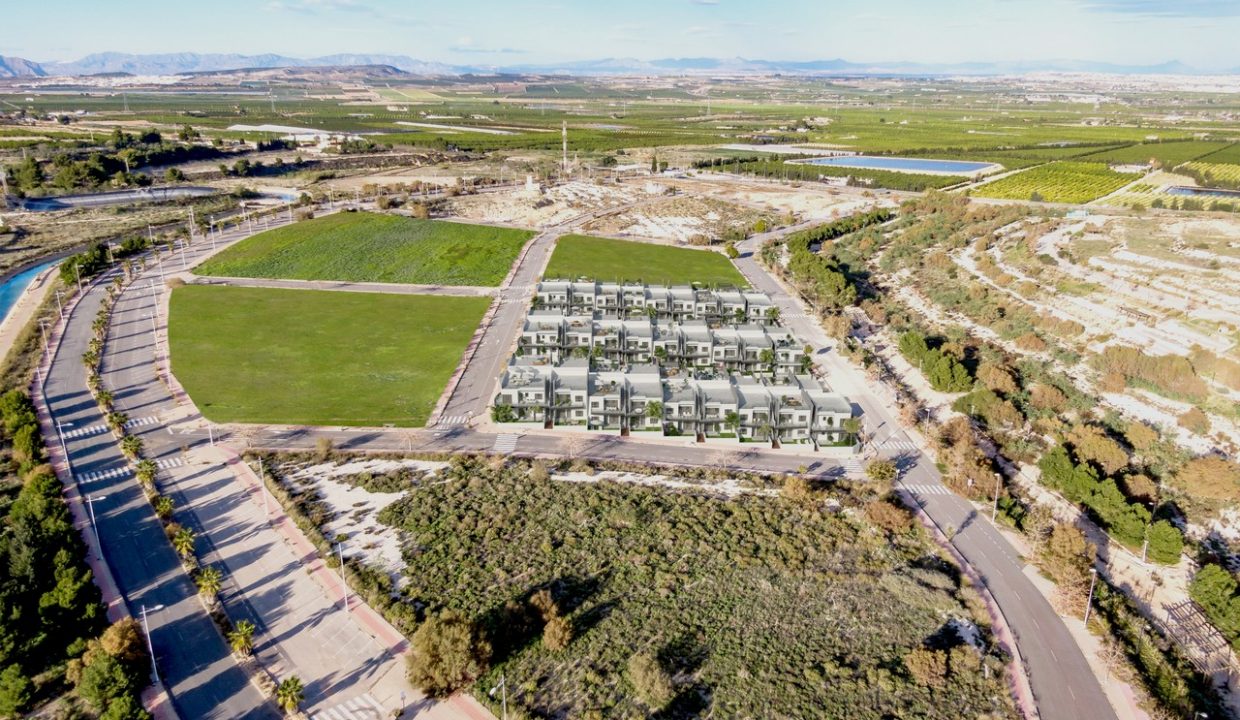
<point>579,256</point>
<point>1061,182</point>
<point>306,357</point>
<point>367,247</point>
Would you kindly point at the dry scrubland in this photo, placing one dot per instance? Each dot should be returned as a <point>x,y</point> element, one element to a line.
<point>684,603</point>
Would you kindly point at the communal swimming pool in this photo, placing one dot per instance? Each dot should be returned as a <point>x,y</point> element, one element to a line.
<point>899,164</point>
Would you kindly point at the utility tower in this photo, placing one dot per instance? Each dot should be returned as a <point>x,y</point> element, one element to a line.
<point>564,147</point>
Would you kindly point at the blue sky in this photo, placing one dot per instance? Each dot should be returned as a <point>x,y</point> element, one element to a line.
<point>483,32</point>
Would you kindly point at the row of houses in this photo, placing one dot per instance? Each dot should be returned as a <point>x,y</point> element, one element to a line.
<point>614,342</point>
<point>639,398</point>
<point>679,303</point>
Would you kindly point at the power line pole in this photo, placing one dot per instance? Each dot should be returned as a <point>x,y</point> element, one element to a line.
<point>564,144</point>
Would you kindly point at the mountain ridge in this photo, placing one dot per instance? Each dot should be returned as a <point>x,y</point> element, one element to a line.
<point>189,62</point>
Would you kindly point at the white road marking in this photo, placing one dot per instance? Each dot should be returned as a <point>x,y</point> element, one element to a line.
<point>506,443</point>
<point>109,474</point>
<point>927,489</point>
<point>169,463</point>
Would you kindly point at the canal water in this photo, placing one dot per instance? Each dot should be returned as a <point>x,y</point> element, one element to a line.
<point>12,289</point>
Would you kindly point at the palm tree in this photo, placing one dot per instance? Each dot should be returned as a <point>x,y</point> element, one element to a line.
<point>116,420</point>
<point>164,506</point>
<point>290,693</point>
<point>767,431</point>
<point>241,638</point>
<point>209,580</point>
<point>767,357</point>
<point>183,542</point>
<point>105,398</point>
<point>146,471</point>
<point>732,421</point>
<point>132,446</point>
<point>772,313</point>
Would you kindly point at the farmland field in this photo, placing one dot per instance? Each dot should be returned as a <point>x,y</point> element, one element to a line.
<point>307,357</point>
<point>1061,182</point>
<point>1168,154</point>
<point>367,247</point>
<point>1215,174</point>
<point>581,256</point>
<point>753,603</point>
<point>1228,155</point>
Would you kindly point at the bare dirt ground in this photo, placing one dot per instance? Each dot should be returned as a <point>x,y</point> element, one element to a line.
<point>681,218</point>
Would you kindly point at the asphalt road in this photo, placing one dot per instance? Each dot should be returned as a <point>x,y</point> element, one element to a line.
<point>193,660</point>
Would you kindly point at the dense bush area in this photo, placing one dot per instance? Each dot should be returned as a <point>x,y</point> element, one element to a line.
<point>49,607</point>
<point>944,372</point>
<point>746,604</point>
<point>1215,589</point>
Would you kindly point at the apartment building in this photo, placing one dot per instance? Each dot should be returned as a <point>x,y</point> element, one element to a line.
<point>615,343</point>
<point>678,303</point>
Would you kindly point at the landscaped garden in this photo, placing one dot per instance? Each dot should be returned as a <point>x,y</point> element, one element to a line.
<point>578,256</point>
<point>369,247</point>
<point>308,357</point>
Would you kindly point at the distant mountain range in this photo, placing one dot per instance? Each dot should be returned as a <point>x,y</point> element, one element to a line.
<point>181,63</point>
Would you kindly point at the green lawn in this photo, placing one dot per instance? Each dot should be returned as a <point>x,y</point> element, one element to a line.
<point>308,357</point>
<point>579,256</point>
<point>368,247</point>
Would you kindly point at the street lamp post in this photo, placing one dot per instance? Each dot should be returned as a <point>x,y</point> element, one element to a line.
<point>94,526</point>
<point>150,649</point>
<point>344,587</point>
<point>1089,602</point>
<point>994,510</point>
<point>77,270</point>
<point>181,243</point>
<point>60,306</point>
<point>60,435</point>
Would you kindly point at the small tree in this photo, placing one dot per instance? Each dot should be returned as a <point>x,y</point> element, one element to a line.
<point>651,683</point>
<point>209,581</point>
<point>241,638</point>
<point>882,471</point>
<point>732,421</point>
<point>164,506</point>
<point>323,446</point>
<point>183,542</point>
<point>290,693</point>
<point>448,653</point>
<point>14,691</point>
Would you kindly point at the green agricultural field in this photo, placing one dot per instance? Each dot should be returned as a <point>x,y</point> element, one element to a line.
<point>579,256</point>
<point>1168,154</point>
<point>307,357</point>
<point>1061,182</point>
<point>753,604</point>
<point>368,247</point>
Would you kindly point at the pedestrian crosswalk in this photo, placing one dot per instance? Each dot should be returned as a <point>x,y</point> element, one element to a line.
<point>926,489</point>
<point>852,466</point>
<point>89,430</point>
<point>109,474</point>
<point>169,463</point>
<point>84,431</point>
<point>453,420</point>
<point>506,443</point>
<point>359,708</point>
<point>898,445</point>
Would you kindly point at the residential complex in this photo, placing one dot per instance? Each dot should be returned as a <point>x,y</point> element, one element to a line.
<point>680,360</point>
